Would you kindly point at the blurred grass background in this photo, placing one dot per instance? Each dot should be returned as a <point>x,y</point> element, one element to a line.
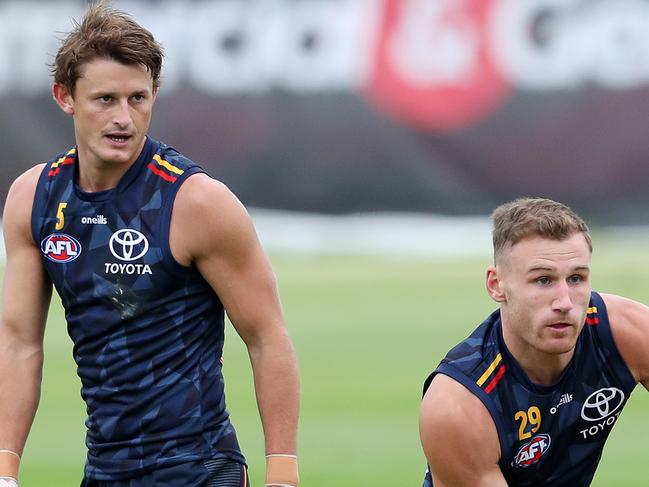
<point>367,330</point>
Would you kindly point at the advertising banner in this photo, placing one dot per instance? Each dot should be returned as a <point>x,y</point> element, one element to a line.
<point>345,106</point>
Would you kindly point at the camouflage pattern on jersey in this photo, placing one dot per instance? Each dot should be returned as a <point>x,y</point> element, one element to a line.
<point>549,435</point>
<point>148,333</point>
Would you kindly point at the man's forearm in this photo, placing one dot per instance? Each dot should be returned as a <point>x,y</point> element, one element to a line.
<point>20,381</point>
<point>277,386</point>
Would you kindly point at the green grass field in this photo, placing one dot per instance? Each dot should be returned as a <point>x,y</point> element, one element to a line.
<point>367,331</point>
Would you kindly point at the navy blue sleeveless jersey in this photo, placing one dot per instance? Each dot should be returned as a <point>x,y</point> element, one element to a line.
<point>148,333</point>
<point>549,435</point>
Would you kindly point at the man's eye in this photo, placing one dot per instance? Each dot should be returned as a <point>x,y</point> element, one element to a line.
<point>543,281</point>
<point>576,279</point>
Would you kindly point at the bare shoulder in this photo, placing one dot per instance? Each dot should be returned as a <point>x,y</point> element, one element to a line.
<point>625,309</point>
<point>629,321</point>
<point>24,186</point>
<point>207,211</point>
<point>459,436</point>
<point>200,190</point>
<point>203,198</point>
<point>18,207</point>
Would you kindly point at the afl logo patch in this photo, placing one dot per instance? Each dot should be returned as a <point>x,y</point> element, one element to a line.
<point>60,248</point>
<point>532,451</point>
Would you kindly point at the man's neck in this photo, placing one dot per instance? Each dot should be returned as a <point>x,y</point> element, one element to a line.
<point>96,175</point>
<point>542,368</point>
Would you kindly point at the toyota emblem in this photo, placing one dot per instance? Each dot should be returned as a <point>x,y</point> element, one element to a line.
<point>602,403</point>
<point>128,244</point>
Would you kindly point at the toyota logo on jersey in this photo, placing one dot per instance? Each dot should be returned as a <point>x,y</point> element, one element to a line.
<point>60,248</point>
<point>128,244</point>
<point>602,403</point>
<point>532,451</point>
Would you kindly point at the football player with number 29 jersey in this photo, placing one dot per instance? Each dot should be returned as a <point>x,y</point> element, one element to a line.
<point>530,397</point>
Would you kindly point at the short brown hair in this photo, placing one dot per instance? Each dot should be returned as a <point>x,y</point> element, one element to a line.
<point>110,34</point>
<point>526,217</point>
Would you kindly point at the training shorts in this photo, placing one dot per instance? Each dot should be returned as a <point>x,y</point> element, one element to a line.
<point>221,472</point>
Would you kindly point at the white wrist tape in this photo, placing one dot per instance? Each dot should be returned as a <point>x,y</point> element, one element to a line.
<point>8,482</point>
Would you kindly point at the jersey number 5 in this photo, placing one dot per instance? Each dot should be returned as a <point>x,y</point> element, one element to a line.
<point>60,218</point>
<point>533,417</point>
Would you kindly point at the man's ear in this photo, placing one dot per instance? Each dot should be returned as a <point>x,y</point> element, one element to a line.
<point>494,285</point>
<point>63,98</point>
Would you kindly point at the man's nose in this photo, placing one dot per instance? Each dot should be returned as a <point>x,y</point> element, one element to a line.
<point>122,114</point>
<point>562,301</point>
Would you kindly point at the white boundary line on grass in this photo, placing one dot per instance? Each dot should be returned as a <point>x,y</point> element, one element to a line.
<point>403,234</point>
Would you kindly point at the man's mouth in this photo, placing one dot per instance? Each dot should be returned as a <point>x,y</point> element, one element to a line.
<point>118,137</point>
<point>560,326</point>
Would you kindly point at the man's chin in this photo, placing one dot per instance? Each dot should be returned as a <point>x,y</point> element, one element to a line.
<point>118,156</point>
<point>560,346</point>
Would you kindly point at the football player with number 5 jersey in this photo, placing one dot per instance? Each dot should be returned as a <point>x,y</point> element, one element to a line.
<point>147,253</point>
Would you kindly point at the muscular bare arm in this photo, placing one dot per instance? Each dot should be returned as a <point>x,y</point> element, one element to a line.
<point>630,327</point>
<point>211,228</point>
<point>459,437</point>
<point>25,300</point>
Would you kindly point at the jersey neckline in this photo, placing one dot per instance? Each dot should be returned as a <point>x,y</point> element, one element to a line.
<point>522,376</point>
<point>150,145</point>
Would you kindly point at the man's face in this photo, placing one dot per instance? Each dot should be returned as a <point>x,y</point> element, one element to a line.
<point>544,289</point>
<point>111,107</point>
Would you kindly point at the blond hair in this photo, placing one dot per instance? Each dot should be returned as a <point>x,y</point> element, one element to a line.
<point>526,217</point>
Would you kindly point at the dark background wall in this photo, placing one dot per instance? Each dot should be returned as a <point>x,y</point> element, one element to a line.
<point>339,106</point>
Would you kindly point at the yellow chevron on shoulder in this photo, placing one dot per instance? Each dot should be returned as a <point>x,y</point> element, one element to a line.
<point>592,310</point>
<point>63,158</point>
<point>166,165</point>
<point>489,370</point>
